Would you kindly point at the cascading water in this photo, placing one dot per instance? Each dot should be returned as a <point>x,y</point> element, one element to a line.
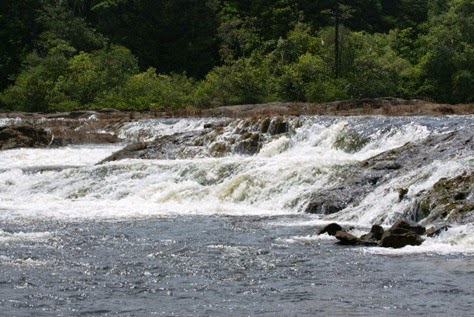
<point>66,187</point>
<point>41,181</point>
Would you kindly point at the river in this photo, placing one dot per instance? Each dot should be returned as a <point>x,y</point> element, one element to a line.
<point>214,236</point>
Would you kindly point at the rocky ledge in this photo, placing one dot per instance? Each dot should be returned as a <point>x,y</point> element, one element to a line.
<point>102,126</point>
<point>23,135</point>
<point>447,200</point>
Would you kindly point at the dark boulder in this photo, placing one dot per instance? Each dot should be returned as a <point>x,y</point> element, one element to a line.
<point>278,126</point>
<point>398,236</point>
<point>331,229</point>
<point>346,238</point>
<point>23,136</point>
<point>396,241</point>
<point>401,227</point>
<point>375,234</point>
<point>327,202</point>
<point>249,144</point>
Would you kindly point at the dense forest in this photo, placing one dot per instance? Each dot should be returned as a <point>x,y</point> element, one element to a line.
<point>157,54</point>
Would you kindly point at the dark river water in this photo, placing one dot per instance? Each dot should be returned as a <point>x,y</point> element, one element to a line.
<point>218,266</point>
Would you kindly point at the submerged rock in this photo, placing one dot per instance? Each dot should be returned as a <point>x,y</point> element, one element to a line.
<point>436,231</point>
<point>249,144</point>
<point>325,204</point>
<point>131,150</point>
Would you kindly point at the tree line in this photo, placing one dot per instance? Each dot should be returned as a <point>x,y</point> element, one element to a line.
<point>59,55</point>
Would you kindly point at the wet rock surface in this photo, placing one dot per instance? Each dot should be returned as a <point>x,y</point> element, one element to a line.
<point>239,136</point>
<point>24,135</point>
<point>401,234</point>
<point>449,199</point>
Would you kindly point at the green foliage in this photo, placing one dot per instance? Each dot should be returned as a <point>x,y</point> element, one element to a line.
<point>238,38</point>
<point>58,55</point>
<point>238,83</point>
<point>35,85</point>
<point>61,25</point>
<point>376,69</point>
<point>150,91</point>
<point>447,67</point>
<point>63,81</point>
<point>18,27</point>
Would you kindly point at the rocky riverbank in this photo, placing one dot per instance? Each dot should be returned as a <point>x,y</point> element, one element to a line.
<point>82,127</point>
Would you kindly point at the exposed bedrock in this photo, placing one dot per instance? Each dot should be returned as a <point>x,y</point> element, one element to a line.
<point>448,200</point>
<point>21,136</point>
<point>240,136</point>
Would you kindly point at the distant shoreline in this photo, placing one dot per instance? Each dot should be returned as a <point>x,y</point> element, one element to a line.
<point>355,107</point>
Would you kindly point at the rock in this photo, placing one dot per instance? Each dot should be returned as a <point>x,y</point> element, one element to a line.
<point>398,237</point>
<point>264,125</point>
<point>127,152</point>
<point>396,241</point>
<point>375,234</point>
<point>434,232</point>
<point>331,229</point>
<point>22,136</point>
<point>346,238</point>
<point>324,208</point>
<point>448,200</point>
<point>350,142</point>
<point>401,227</point>
<point>7,133</point>
<point>249,144</point>
<point>402,193</point>
<point>278,126</point>
<point>386,166</point>
<point>327,202</point>
<point>219,149</point>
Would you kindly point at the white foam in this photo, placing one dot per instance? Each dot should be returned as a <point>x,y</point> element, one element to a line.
<point>15,237</point>
<point>383,205</point>
<point>149,129</point>
<point>8,121</point>
<point>277,181</point>
<point>65,156</point>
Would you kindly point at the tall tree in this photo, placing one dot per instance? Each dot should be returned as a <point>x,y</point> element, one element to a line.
<point>170,35</point>
<point>18,31</point>
<point>447,67</point>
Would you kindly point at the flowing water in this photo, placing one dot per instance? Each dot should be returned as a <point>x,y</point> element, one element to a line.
<point>209,236</point>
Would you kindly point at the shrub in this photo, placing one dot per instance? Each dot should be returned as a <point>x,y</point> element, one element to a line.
<point>237,83</point>
<point>150,91</point>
